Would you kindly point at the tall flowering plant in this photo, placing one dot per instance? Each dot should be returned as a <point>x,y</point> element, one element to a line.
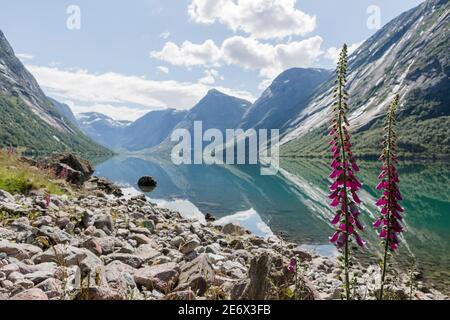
<point>345,186</point>
<point>390,220</point>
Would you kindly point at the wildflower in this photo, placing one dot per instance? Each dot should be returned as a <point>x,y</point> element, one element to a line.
<point>48,200</point>
<point>345,186</point>
<point>292,267</point>
<point>390,217</point>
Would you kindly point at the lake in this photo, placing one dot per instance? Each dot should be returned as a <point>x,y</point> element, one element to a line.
<point>294,203</point>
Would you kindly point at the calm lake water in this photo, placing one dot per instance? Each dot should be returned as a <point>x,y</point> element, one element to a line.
<point>294,203</point>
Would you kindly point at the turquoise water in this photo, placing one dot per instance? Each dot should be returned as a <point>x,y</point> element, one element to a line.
<point>294,203</point>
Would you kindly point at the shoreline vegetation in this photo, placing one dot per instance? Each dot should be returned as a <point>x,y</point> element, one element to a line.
<point>84,239</point>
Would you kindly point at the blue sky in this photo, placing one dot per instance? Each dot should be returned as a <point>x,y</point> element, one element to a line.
<point>129,57</point>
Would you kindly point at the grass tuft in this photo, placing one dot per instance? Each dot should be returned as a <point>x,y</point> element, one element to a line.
<point>19,177</point>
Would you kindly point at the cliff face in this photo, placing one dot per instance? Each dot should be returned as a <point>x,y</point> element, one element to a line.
<point>410,57</point>
<point>28,118</point>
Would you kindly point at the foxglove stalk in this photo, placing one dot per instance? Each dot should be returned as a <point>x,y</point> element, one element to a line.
<point>345,186</point>
<point>48,200</point>
<point>390,220</point>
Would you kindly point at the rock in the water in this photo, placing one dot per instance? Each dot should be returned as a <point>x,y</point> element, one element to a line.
<point>162,277</point>
<point>31,294</point>
<point>197,275</point>
<point>147,183</point>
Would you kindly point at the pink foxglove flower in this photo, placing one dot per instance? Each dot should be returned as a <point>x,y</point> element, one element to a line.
<point>390,220</point>
<point>345,186</point>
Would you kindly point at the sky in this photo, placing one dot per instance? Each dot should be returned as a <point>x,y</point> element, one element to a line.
<point>126,58</point>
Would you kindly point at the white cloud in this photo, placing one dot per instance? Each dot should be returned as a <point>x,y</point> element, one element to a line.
<point>271,60</point>
<point>264,84</point>
<point>116,112</point>
<point>93,89</point>
<point>210,77</point>
<point>332,53</point>
<point>54,63</point>
<point>248,53</point>
<point>188,54</point>
<point>165,35</point>
<point>163,69</point>
<point>24,56</point>
<point>262,19</point>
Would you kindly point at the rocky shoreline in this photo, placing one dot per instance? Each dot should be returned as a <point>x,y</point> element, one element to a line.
<point>97,244</point>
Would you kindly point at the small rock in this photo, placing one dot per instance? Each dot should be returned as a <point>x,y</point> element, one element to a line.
<point>149,224</point>
<point>186,295</point>
<point>162,277</point>
<point>93,245</point>
<point>104,223</point>
<point>15,276</point>
<point>52,287</point>
<point>140,239</point>
<point>189,246</point>
<point>20,251</point>
<point>147,253</point>
<point>232,228</point>
<point>176,242</point>
<point>129,259</point>
<point>54,234</point>
<point>31,294</point>
<point>197,275</point>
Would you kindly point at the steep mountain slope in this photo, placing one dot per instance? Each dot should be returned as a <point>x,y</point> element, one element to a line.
<point>102,129</point>
<point>216,110</point>
<point>284,99</point>
<point>410,57</point>
<point>28,118</point>
<point>151,129</point>
<point>65,110</point>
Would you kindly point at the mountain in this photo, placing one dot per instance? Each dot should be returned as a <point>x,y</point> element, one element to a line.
<point>29,119</point>
<point>216,110</point>
<point>151,129</point>
<point>65,110</point>
<point>284,99</point>
<point>410,56</point>
<point>102,129</point>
